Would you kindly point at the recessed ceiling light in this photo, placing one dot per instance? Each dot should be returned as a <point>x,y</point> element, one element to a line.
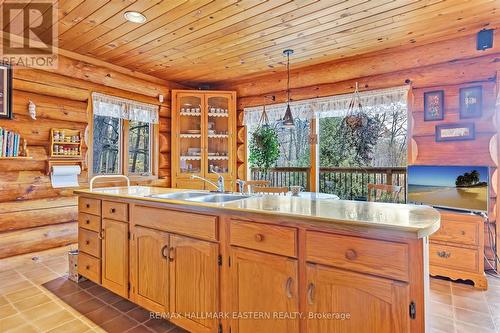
<point>134,17</point>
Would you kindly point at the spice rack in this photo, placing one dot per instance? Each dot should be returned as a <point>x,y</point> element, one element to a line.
<point>65,143</point>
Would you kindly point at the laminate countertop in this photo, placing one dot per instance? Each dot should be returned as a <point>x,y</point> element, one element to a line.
<point>419,220</point>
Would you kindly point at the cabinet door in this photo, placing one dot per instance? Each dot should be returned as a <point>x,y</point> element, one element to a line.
<point>149,268</point>
<point>373,304</point>
<point>194,281</point>
<point>115,256</point>
<point>264,284</point>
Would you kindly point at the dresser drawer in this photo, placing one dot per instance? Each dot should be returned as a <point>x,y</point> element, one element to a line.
<point>457,232</point>
<point>264,237</point>
<point>89,222</point>
<point>89,267</point>
<point>454,257</point>
<point>89,242</point>
<point>189,224</point>
<point>358,254</point>
<point>89,206</point>
<point>115,210</point>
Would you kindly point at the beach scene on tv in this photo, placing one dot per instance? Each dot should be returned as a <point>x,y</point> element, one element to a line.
<point>461,187</point>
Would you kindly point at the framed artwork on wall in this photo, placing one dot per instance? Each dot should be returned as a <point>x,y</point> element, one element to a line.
<point>5,91</point>
<point>471,102</point>
<point>434,105</point>
<point>455,132</point>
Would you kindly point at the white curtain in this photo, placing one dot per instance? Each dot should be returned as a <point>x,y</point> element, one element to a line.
<point>374,101</point>
<point>116,107</point>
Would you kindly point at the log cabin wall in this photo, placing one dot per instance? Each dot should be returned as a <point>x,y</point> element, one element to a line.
<point>446,65</point>
<point>33,215</point>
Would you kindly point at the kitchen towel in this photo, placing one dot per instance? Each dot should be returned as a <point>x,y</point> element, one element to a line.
<point>65,176</point>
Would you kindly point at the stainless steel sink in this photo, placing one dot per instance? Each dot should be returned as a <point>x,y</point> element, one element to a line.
<point>218,198</point>
<point>180,195</point>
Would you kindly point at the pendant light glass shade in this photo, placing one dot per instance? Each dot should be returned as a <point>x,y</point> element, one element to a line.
<point>288,121</point>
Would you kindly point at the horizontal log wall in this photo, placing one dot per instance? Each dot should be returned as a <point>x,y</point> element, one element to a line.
<point>33,215</point>
<point>447,65</point>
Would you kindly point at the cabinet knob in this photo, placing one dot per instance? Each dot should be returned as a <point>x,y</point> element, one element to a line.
<point>87,221</point>
<point>443,254</point>
<point>112,210</point>
<point>87,205</point>
<point>87,267</point>
<point>259,237</point>
<point>351,254</point>
<point>87,242</point>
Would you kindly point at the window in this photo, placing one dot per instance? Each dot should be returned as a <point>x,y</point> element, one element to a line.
<point>122,136</point>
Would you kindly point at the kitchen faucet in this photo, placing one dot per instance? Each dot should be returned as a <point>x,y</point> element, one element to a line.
<point>220,181</point>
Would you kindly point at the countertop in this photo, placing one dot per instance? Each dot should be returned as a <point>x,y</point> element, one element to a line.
<point>420,220</point>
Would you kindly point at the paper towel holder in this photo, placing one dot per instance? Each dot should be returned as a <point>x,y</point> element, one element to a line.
<point>51,163</point>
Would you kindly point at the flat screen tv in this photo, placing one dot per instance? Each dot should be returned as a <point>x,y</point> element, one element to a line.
<point>456,187</point>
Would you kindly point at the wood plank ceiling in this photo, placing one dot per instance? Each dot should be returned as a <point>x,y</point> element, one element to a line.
<point>219,40</point>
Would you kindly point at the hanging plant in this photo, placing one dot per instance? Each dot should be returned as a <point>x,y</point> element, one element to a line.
<point>360,131</point>
<point>264,145</point>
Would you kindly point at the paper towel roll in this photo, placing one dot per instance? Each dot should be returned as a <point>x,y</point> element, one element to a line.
<point>65,175</point>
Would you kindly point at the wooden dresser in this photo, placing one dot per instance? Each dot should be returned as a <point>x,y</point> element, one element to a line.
<point>456,250</point>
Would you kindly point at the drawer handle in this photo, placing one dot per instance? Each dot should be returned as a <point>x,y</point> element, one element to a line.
<point>259,237</point>
<point>310,293</point>
<point>100,235</point>
<point>87,267</point>
<point>112,210</point>
<point>171,255</point>
<point>163,254</point>
<point>87,205</point>
<point>87,221</point>
<point>288,287</point>
<point>87,242</point>
<point>351,254</point>
<point>443,254</point>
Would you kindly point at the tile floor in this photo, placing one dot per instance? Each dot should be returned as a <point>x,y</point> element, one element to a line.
<point>35,296</point>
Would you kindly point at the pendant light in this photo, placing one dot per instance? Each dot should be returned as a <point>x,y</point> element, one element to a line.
<point>288,118</point>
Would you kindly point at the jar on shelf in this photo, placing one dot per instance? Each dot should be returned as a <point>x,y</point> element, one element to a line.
<point>61,136</point>
<point>56,136</point>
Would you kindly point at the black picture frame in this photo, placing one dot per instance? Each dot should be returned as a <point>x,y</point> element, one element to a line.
<point>5,91</point>
<point>433,100</point>
<point>471,102</point>
<point>463,132</point>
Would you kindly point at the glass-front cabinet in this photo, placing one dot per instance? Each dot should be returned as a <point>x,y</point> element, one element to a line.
<point>203,138</point>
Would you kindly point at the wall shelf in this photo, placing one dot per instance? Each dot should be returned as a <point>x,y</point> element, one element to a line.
<point>17,158</point>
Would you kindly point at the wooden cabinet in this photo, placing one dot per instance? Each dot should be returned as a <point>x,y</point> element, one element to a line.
<point>89,240</point>
<point>149,268</point>
<point>194,282</point>
<point>456,250</point>
<point>203,137</point>
<point>115,256</point>
<point>373,304</point>
<point>265,284</point>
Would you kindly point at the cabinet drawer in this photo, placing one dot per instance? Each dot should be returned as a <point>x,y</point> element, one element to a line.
<point>454,257</point>
<point>115,210</point>
<point>264,237</point>
<point>457,232</point>
<point>89,222</point>
<point>358,254</point>
<point>89,267</point>
<point>189,224</point>
<point>89,242</point>
<point>90,206</point>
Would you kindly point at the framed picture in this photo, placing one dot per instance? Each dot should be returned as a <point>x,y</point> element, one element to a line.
<point>471,102</point>
<point>455,132</point>
<point>5,91</point>
<point>434,105</point>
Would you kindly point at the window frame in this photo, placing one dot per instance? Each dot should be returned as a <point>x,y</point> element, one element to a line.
<point>124,150</point>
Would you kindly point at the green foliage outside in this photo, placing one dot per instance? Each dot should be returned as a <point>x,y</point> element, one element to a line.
<point>264,148</point>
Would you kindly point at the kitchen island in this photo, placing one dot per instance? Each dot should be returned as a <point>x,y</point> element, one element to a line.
<point>214,262</point>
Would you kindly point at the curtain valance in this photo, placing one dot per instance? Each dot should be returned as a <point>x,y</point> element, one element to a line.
<point>117,107</point>
<point>373,101</point>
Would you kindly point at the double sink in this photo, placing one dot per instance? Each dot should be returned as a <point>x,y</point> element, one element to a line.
<point>211,197</point>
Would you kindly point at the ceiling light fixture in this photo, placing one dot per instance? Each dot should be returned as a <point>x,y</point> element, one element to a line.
<point>288,118</point>
<point>134,17</point>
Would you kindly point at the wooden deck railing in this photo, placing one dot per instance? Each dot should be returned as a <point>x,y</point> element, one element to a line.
<point>347,183</point>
